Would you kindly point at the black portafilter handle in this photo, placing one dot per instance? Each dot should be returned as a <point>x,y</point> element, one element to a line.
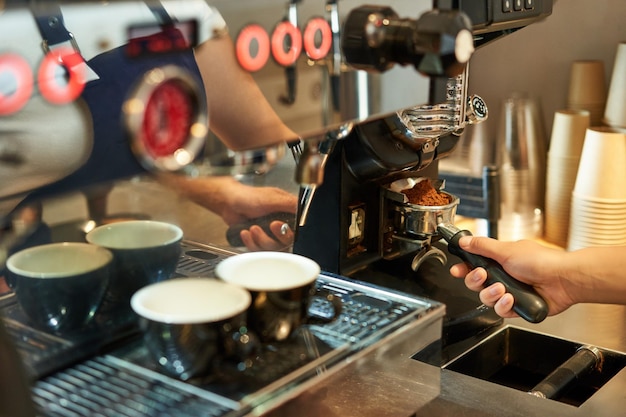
<point>232,233</point>
<point>528,303</point>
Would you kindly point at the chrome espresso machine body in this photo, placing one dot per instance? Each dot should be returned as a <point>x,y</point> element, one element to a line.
<point>349,221</point>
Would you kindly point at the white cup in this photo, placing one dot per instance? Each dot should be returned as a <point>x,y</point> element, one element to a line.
<point>282,286</point>
<point>189,324</point>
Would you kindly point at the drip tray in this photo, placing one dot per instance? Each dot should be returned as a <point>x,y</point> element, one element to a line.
<point>107,370</point>
<point>522,359</point>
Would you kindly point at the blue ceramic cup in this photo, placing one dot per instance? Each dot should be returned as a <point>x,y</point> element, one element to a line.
<point>60,286</point>
<point>145,252</point>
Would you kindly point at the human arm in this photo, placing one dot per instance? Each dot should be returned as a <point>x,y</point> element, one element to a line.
<point>590,275</point>
<point>235,203</point>
<point>239,113</point>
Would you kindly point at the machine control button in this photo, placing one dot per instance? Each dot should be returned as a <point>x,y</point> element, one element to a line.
<point>506,6</point>
<point>518,5</point>
<point>529,4</point>
<point>476,111</point>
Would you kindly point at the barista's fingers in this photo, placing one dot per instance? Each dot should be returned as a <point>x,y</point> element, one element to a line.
<point>459,270</point>
<point>475,279</point>
<point>504,306</point>
<point>248,241</point>
<point>490,295</point>
<point>282,232</point>
<point>257,239</point>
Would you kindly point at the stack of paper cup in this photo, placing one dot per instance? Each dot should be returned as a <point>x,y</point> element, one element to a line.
<point>598,208</point>
<point>587,89</point>
<point>615,112</point>
<point>566,143</point>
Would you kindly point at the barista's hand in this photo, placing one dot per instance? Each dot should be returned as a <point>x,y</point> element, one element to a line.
<point>247,202</point>
<point>255,239</point>
<point>524,260</point>
<point>236,203</point>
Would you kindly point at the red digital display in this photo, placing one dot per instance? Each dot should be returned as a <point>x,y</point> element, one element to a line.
<point>154,39</point>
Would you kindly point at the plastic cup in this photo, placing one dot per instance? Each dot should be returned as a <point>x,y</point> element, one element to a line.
<point>615,111</point>
<point>521,150</point>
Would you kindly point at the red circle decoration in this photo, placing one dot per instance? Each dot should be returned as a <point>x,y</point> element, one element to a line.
<point>313,26</point>
<point>281,56</point>
<point>71,61</point>
<point>16,66</point>
<point>167,120</point>
<point>243,46</point>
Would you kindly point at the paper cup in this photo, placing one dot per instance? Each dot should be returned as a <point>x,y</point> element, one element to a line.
<point>602,169</point>
<point>587,83</point>
<point>568,132</point>
<point>615,111</point>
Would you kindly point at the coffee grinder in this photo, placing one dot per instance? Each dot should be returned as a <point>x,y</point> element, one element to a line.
<point>352,224</point>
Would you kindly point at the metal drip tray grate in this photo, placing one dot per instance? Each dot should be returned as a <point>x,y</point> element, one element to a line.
<point>106,386</point>
<point>73,380</point>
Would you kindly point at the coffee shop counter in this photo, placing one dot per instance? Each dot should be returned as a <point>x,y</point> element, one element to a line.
<point>388,381</point>
<point>405,389</point>
<point>378,389</point>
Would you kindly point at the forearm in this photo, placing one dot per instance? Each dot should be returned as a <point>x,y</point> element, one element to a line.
<point>208,192</point>
<point>239,113</point>
<point>597,275</point>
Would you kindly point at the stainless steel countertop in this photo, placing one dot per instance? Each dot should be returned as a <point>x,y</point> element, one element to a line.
<point>378,389</point>
<point>599,325</point>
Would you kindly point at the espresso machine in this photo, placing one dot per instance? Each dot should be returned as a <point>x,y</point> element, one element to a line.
<point>355,223</point>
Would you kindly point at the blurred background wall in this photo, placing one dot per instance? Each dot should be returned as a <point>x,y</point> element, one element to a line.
<point>537,59</point>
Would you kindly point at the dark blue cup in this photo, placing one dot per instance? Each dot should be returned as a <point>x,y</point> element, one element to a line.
<point>145,252</point>
<point>60,286</point>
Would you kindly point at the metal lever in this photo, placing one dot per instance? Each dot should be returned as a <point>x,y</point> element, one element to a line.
<point>332,10</point>
<point>311,164</point>
<point>290,71</point>
<point>528,303</point>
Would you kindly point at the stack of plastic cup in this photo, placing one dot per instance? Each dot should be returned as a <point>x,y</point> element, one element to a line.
<point>587,89</point>
<point>566,144</point>
<point>598,208</point>
<point>615,112</point>
<point>521,157</point>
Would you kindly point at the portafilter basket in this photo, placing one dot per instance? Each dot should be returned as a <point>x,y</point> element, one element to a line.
<point>417,220</point>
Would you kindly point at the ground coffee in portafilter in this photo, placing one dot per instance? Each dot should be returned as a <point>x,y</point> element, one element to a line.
<point>424,194</point>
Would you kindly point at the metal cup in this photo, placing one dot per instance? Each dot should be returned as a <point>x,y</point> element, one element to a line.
<point>282,286</point>
<point>189,324</point>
